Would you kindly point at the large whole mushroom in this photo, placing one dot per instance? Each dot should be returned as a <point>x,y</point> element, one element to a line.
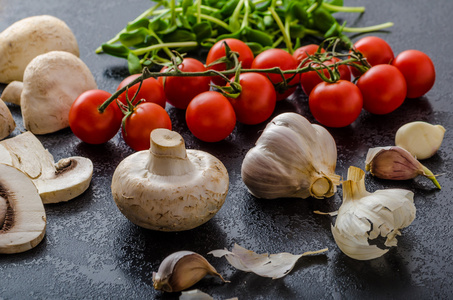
<point>169,188</point>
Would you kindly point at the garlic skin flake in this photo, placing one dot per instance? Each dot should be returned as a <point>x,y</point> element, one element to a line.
<point>421,139</point>
<point>265,265</point>
<point>365,216</point>
<point>291,158</point>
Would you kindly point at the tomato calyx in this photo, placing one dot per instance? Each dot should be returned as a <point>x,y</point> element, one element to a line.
<point>129,109</point>
<point>231,58</point>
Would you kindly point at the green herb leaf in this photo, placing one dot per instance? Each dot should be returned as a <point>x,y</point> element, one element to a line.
<point>133,63</point>
<point>116,50</point>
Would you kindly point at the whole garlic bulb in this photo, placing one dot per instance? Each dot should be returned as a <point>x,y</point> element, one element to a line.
<point>421,139</point>
<point>291,158</point>
<point>365,216</point>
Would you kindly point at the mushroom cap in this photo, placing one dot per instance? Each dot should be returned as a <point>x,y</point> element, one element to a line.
<point>25,226</point>
<point>7,123</point>
<point>56,182</point>
<point>170,203</point>
<point>52,81</point>
<point>30,37</point>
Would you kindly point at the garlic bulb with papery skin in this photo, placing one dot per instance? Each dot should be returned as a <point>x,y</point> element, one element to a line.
<point>291,158</point>
<point>364,217</point>
<point>421,139</point>
<point>396,163</point>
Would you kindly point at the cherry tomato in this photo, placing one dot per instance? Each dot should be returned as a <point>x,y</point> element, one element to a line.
<point>383,89</point>
<point>145,118</point>
<point>418,70</point>
<point>257,100</point>
<point>278,58</point>
<point>309,80</point>
<point>303,52</point>
<point>376,50</point>
<point>210,117</point>
<point>218,51</point>
<point>151,91</point>
<point>181,90</point>
<point>88,123</point>
<point>335,104</point>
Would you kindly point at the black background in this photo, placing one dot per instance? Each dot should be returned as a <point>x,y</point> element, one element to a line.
<point>92,251</point>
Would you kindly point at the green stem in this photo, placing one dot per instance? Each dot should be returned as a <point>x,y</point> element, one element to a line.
<point>198,11</point>
<point>142,51</point>
<point>368,29</point>
<point>234,19</point>
<point>214,20</point>
<point>431,176</point>
<point>336,8</point>
<point>280,25</point>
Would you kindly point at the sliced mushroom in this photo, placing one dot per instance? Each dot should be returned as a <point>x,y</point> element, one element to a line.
<point>52,81</point>
<point>24,218</point>
<point>56,182</point>
<point>7,123</point>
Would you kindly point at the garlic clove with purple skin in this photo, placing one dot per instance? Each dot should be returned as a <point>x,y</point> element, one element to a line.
<point>396,163</point>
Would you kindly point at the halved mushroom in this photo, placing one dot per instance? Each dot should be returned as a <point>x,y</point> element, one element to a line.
<point>56,182</point>
<point>22,215</point>
<point>7,123</point>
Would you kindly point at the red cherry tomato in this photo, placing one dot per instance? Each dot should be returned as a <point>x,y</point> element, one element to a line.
<point>210,117</point>
<point>303,52</point>
<point>181,90</point>
<point>145,118</point>
<point>309,80</point>
<point>383,89</point>
<point>278,58</point>
<point>151,91</point>
<point>335,104</point>
<point>218,51</point>
<point>418,70</point>
<point>256,102</point>
<point>376,50</point>
<point>88,123</point>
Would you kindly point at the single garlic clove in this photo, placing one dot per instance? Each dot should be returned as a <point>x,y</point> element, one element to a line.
<point>181,270</point>
<point>396,163</point>
<point>421,139</point>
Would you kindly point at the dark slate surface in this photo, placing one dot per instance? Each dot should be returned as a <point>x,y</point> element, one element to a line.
<point>92,251</point>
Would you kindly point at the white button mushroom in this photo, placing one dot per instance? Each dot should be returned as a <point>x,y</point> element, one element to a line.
<point>56,182</point>
<point>52,81</point>
<point>30,37</point>
<point>22,214</point>
<point>169,188</point>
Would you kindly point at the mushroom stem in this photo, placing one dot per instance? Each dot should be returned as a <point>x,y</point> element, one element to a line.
<point>168,155</point>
